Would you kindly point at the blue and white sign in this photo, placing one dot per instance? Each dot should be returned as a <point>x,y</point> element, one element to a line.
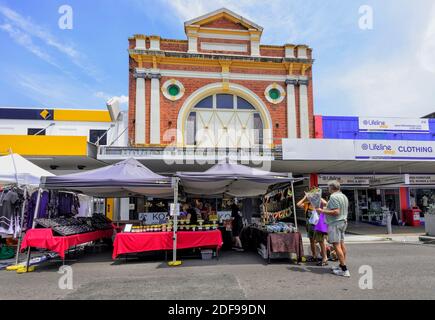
<point>394,124</point>
<point>394,150</point>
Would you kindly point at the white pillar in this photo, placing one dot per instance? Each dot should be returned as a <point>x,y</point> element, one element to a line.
<point>303,109</point>
<point>155,109</point>
<point>140,109</point>
<point>193,44</point>
<point>292,130</point>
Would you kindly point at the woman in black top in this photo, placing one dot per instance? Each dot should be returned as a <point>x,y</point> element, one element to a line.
<point>192,215</point>
<point>237,227</point>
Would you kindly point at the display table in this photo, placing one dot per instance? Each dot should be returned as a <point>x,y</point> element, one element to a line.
<point>161,241</point>
<point>44,239</point>
<point>252,238</point>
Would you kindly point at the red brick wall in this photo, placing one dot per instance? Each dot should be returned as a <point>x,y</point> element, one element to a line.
<point>167,45</point>
<point>170,109</point>
<point>223,23</point>
<point>272,52</point>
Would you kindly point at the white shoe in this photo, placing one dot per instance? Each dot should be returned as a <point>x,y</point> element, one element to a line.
<point>342,273</point>
<point>333,268</point>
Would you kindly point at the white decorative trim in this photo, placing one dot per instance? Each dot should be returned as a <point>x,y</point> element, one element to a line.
<point>281,91</point>
<point>155,111</point>
<point>166,86</point>
<point>290,51</point>
<point>304,119</point>
<point>302,52</point>
<point>223,10</point>
<point>140,111</point>
<point>155,44</point>
<point>223,36</point>
<point>255,48</point>
<point>140,44</point>
<point>236,89</point>
<point>292,132</point>
<point>218,75</point>
<point>234,47</point>
<point>193,44</point>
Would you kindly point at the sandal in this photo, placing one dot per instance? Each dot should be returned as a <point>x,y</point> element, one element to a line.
<point>322,263</point>
<point>311,259</point>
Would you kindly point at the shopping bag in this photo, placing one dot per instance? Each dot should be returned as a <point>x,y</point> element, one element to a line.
<point>314,219</point>
<point>321,226</point>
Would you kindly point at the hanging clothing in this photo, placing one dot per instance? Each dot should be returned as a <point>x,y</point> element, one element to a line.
<point>85,206</point>
<point>43,207</point>
<point>8,205</point>
<point>68,204</point>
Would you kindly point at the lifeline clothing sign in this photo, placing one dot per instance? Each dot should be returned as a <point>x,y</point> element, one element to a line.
<point>394,150</point>
<point>393,124</point>
<point>362,150</point>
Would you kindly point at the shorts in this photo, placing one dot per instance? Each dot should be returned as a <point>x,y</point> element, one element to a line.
<point>310,230</point>
<point>319,236</point>
<point>336,232</point>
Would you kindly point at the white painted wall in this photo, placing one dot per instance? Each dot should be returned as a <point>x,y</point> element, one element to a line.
<point>70,128</point>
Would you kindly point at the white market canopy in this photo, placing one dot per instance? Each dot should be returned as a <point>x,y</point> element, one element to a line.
<point>232,179</point>
<point>123,179</point>
<point>14,167</point>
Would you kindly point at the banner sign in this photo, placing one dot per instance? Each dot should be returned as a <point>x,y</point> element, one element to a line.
<point>379,181</point>
<point>347,180</point>
<point>393,124</point>
<point>153,218</point>
<point>394,150</point>
<point>422,179</point>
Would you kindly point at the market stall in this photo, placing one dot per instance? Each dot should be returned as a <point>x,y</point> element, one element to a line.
<point>18,178</point>
<point>162,241</point>
<point>123,179</point>
<point>239,181</point>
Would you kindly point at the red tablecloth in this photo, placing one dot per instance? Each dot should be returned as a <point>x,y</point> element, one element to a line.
<point>157,241</point>
<point>43,238</point>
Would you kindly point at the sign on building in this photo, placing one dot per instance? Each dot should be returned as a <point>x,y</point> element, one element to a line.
<point>393,124</point>
<point>394,150</point>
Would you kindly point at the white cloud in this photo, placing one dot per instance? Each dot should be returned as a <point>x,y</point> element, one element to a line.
<point>427,52</point>
<point>22,30</point>
<point>122,99</point>
<point>283,21</point>
<point>400,83</point>
<point>26,41</point>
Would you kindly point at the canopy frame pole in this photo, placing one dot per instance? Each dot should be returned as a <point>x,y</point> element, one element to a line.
<point>294,205</point>
<point>175,227</point>
<point>20,237</point>
<point>35,216</point>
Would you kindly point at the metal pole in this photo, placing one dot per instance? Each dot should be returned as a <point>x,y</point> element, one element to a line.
<point>15,166</point>
<point>35,216</point>
<point>23,209</point>
<point>389,227</point>
<point>174,238</point>
<point>294,206</point>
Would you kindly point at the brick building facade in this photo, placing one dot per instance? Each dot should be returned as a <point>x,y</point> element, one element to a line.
<point>220,79</point>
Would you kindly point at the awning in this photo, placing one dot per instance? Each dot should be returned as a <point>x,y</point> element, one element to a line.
<point>123,179</point>
<point>15,168</point>
<point>232,179</point>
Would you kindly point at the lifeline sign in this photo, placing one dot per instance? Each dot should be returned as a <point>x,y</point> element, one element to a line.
<point>393,124</point>
<point>394,150</point>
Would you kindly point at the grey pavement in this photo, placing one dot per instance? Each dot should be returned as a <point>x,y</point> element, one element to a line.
<point>400,271</point>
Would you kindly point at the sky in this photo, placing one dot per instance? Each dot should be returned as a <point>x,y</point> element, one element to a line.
<point>386,70</point>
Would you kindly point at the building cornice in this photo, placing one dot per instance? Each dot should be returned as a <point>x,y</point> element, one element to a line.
<point>210,56</point>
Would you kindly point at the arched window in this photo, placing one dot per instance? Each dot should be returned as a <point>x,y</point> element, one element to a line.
<point>224,120</point>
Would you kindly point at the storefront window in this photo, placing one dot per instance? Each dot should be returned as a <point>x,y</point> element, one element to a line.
<point>424,199</point>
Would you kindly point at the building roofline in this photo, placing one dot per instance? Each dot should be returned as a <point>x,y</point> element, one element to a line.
<point>227,11</point>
